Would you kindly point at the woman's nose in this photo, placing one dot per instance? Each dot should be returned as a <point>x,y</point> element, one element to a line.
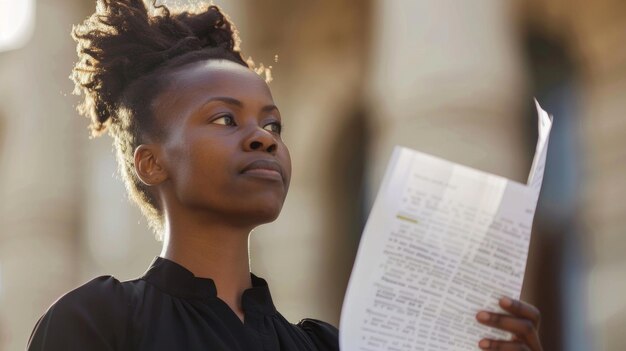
<point>260,140</point>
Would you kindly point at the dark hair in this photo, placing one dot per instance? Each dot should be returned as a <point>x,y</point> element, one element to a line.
<point>124,51</point>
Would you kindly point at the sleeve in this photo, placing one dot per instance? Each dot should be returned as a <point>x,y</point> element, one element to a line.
<point>90,317</point>
<point>324,335</point>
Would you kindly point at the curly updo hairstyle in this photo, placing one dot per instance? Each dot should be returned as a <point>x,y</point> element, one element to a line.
<point>125,50</point>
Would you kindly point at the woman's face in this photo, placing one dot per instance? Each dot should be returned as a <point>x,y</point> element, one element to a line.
<point>222,148</point>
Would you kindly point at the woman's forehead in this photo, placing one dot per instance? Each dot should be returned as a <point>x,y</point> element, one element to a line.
<point>190,86</point>
<point>219,76</point>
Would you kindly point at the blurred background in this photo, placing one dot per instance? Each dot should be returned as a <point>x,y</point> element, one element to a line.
<point>353,78</point>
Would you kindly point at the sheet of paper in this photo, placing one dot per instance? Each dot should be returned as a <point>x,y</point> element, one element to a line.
<point>442,241</point>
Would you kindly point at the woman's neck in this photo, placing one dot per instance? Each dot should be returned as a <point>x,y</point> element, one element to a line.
<point>212,250</point>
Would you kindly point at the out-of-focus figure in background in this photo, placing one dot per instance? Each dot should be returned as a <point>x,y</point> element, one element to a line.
<point>454,79</point>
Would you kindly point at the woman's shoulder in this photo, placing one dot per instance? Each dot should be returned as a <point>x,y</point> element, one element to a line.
<point>96,310</point>
<point>101,288</point>
<point>324,335</point>
<point>104,294</point>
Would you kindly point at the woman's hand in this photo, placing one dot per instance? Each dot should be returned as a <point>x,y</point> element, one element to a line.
<point>523,322</point>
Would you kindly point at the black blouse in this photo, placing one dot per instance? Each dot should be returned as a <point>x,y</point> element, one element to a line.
<point>171,309</point>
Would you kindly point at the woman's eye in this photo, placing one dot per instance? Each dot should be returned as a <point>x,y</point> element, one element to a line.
<point>275,127</point>
<point>225,120</point>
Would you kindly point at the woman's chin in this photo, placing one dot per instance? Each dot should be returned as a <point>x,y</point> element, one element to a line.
<point>266,214</point>
<point>265,208</point>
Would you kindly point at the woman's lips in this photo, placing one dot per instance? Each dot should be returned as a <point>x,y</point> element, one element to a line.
<point>263,168</point>
<point>264,173</point>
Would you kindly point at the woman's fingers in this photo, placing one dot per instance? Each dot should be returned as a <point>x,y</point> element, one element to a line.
<point>521,309</point>
<point>488,344</point>
<point>524,329</point>
<point>523,322</point>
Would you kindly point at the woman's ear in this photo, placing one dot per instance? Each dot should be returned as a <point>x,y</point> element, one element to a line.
<point>148,165</point>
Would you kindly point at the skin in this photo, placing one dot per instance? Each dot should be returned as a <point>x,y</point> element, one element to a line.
<point>522,321</point>
<point>210,206</point>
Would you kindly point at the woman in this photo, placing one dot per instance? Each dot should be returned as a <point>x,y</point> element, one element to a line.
<point>198,139</point>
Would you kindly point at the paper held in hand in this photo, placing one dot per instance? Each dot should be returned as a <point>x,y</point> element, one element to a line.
<point>442,241</point>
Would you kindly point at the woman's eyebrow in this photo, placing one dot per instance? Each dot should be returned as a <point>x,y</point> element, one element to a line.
<point>235,102</point>
<point>225,99</point>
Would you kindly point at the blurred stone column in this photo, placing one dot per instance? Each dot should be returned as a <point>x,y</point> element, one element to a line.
<point>40,173</point>
<point>447,79</point>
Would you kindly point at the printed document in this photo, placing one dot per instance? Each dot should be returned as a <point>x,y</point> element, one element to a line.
<point>442,242</point>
